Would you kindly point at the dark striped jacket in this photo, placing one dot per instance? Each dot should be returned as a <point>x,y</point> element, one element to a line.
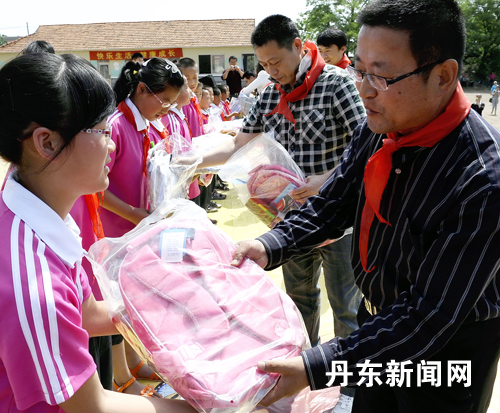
<point>436,266</point>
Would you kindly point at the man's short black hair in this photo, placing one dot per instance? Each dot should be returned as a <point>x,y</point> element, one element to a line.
<point>248,74</point>
<point>332,36</point>
<point>276,27</point>
<point>137,55</point>
<point>232,57</point>
<point>436,27</point>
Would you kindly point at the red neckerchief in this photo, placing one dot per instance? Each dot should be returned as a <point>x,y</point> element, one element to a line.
<point>146,142</point>
<point>344,62</point>
<point>378,168</point>
<point>226,107</point>
<point>163,134</point>
<point>204,117</point>
<point>194,101</point>
<point>300,92</point>
<point>92,202</point>
<point>189,127</point>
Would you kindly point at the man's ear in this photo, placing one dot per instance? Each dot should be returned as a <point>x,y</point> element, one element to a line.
<point>343,49</point>
<point>47,142</point>
<point>297,44</point>
<point>447,73</point>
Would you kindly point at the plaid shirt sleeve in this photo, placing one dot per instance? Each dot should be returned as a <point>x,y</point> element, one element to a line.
<point>347,106</point>
<point>252,123</point>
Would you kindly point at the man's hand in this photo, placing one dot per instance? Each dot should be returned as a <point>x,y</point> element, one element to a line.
<point>252,249</point>
<point>293,378</point>
<point>313,183</point>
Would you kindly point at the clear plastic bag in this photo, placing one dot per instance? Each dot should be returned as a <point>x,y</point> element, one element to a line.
<point>201,324</point>
<point>234,105</point>
<point>167,179</point>
<point>204,143</point>
<point>264,174</point>
<point>246,102</point>
<point>307,401</point>
<point>215,121</point>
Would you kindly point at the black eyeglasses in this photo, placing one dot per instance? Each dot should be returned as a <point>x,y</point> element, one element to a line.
<point>383,83</point>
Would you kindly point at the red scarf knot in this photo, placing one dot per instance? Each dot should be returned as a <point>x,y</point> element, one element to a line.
<point>378,168</point>
<point>300,92</point>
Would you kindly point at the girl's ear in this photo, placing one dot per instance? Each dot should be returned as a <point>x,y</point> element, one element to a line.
<point>141,88</point>
<point>47,142</point>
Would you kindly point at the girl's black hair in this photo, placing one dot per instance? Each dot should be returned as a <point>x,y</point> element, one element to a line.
<point>157,74</point>
<point>63,93</point>
<point>38,46</point>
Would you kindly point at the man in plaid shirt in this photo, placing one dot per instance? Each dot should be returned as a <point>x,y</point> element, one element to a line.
<point>312,109</point>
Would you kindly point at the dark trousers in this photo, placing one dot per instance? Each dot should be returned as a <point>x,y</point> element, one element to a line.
<point>100,350</point>
<point>478,342</point>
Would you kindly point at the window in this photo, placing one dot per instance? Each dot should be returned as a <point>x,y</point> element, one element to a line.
<point>204,64</point>
<point>249,62</point>
<point>217,64</point>
<point>103,68</point>
<point>211,64</point>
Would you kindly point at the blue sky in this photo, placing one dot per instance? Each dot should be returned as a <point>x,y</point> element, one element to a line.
<point>15,15</point>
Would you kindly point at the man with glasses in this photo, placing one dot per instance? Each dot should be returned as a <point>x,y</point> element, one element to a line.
<point>312,109</point>
<point>420,183</point>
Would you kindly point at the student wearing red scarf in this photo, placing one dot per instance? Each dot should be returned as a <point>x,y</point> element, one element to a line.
<point>312,109</point>
<point>332,45</point>
<point>420,184</point>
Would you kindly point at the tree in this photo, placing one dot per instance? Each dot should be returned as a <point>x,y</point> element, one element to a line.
<point>322,14</point>
<point>2,39</point>
<point>482,54</point>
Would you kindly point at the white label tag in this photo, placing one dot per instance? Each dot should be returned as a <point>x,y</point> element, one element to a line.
<point>172,245</point>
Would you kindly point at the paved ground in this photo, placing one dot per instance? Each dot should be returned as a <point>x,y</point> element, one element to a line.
<point>240,224</point>
<point>471,94</point>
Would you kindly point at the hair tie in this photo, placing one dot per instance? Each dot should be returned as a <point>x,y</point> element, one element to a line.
<point>171,66</point>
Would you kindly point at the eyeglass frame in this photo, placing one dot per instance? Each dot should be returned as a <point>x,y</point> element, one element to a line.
<point>353,72</point>
<point>106,132</point>
<point>163,105</point>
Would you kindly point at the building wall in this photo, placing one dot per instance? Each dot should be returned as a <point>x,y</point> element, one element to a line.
<point>5,57</point>
<point>219,59</point>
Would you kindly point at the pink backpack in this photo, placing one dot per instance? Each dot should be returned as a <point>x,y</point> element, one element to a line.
<point>269,186</point>
<point>204,323</point>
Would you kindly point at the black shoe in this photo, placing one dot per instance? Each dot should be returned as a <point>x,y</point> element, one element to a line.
<point>211,208</point>
<point>217,196</point>
<point>214,221</point>
<point>214,204</point>
<point>221,186</point>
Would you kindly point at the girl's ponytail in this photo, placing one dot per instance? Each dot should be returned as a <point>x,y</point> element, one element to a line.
<point>127,81</point>
<point>156,73</point>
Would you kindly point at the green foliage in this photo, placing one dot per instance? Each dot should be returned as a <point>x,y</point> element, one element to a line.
<point>2,39</point>
<point>322,14</point>
<point>482,54</point>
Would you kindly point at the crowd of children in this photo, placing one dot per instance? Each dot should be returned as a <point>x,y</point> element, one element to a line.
<point>152,100</point>
<point>64,333</point>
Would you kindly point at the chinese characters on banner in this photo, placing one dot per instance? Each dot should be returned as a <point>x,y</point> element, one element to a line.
<point>127,55</point>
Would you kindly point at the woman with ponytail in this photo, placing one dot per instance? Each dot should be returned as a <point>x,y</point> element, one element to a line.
<point>144,94</point>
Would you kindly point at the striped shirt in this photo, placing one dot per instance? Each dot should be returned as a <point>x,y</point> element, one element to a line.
<point>325,120</point>
<point>44,356</point>
<point>436,266</point>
